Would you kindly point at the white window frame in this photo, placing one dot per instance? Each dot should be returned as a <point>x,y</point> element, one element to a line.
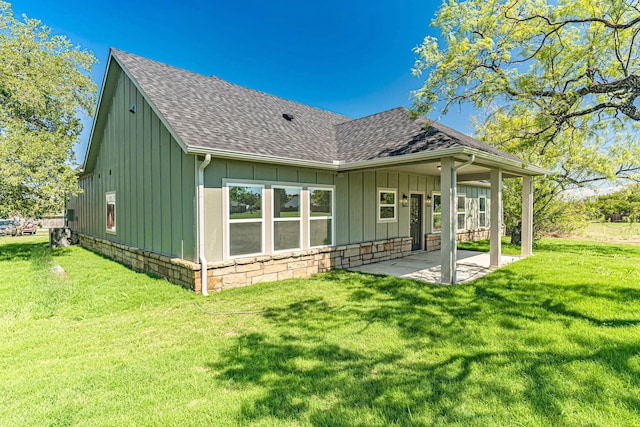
<point>230,221</point>
<point>274,219</point>
<point>110,198</point>
<point>386,205</point>
<point>464,212</point>
<point>458,213</point>
<point>314,218</point>
<point>482,224</point>
<point>434,213</point>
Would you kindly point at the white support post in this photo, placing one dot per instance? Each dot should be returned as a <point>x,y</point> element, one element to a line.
<point>449,200</point>
<point>527,217</point>
<point>495,253</point>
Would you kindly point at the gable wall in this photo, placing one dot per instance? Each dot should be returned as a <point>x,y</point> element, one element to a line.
<point>153,179</point>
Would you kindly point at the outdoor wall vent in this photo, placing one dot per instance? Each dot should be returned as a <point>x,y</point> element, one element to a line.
<point>288,117</point>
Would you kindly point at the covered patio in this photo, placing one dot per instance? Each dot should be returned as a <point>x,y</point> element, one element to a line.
<point>426,266</point>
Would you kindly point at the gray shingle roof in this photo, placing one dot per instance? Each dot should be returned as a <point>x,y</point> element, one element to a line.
<point>392,133</point>
<point>208,112</point>
<point>212,113</point>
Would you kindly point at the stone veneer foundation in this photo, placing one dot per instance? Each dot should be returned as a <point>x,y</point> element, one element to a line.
<point>248,271</point>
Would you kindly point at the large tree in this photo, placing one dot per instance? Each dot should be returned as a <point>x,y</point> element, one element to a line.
<point>557,83</point>
<point>45,87</point>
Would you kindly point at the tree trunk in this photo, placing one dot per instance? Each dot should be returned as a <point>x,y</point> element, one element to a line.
<point>516,234</point>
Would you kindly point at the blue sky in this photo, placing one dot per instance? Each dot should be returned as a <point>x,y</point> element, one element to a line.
<point>349,57</point>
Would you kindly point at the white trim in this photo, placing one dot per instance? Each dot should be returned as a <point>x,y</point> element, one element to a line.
<point>314,218</point>
<point>95,116</point>
<point>229,221</point>
<point>107,196</point>
<point>381,205</point>
<point>517,167</point>
<point>270,183</point>
<point>434,213</point>
<point>480,211</point>
<point>286,219</point>
<point>464,221</point>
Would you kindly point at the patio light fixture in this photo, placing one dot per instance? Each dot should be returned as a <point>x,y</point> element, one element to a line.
<point>405,200</point>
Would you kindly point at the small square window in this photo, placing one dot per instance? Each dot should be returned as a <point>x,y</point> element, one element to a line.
<point>387,205</point>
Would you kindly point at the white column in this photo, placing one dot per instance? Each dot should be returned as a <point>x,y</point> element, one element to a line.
<point>448,197</point>
<point>495,253</point>
<point>527,216</point>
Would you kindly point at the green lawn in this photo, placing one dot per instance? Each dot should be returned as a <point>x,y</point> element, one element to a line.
<point>484,245</point>
<point>550,340</point>
<point>607,232</point>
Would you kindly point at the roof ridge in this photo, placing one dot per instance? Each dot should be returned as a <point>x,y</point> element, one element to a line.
<point>227,82</point>
<point>373,115</point>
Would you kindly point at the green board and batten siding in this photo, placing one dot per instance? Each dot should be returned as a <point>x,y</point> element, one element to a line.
<point>356,195</point>
<point>154,180</point>
<point>221,169</point>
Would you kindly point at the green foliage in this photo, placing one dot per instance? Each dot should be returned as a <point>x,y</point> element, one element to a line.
<point>552,215</point>
<point>551,340</point>
<point>625,202</point>
<point>44,86</point>
<point>250,197</point>
<point>558,82</point>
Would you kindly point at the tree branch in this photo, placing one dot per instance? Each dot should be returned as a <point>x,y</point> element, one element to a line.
<point>605,22</point>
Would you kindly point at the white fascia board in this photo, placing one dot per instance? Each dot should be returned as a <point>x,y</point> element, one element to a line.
<point>399,160</point>
<point>512,166</point>
<point>261,158</point>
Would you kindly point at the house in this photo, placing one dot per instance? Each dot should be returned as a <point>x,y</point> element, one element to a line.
<point>213,185</point>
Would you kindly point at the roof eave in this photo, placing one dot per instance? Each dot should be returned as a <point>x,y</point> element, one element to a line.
<point>95,121</point>
<point>260,158</point>
<point>513,166</point>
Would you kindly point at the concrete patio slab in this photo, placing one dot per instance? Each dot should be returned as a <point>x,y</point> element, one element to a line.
<point>426,266</point>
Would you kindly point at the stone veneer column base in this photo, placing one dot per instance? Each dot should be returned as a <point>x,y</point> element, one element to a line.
<point>248,271</point>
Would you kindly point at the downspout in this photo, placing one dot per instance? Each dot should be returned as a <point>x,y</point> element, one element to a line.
<point>203,260</point>
<point>467,163</point>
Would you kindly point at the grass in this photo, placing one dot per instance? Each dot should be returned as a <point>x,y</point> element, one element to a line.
<point>550,340</point>
<point>622,232</point>
<point>484,246</point>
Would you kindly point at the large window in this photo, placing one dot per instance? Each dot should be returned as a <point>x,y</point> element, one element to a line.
<point>437,213</point>
<point>387,205</point>
<point>462,213</point>
<point>286,218</point>
<point>320,217</point>
<point>245,219</point>
<point>482,212</point>
<point>436,227</point>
